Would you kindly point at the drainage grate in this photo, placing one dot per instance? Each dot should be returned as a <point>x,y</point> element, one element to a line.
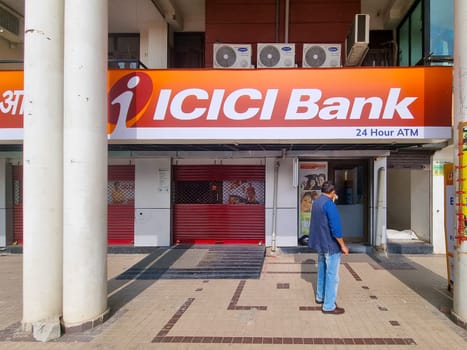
<point>218,262</point>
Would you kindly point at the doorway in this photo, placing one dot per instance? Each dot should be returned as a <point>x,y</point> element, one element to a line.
<point>350,178</point>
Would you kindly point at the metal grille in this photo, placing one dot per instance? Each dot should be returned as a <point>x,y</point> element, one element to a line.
<point>120,192</point>
<point>219,204</point>
<point>219,192</point>
<point>18,192</point>
<point>9,21</point>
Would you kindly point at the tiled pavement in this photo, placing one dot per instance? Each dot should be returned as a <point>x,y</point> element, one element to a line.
<point>180,298</point>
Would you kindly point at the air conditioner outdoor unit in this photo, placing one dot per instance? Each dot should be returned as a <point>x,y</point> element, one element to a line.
<point>357,41</point>
<point>275,55</point>
<point>321,55</point>
<point>232,56</point>
<point>11,24</point>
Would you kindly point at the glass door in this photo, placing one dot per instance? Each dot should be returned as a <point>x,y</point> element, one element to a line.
<point>351,180</point>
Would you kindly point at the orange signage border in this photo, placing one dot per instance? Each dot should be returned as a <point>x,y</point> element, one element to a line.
<point>416,98</point>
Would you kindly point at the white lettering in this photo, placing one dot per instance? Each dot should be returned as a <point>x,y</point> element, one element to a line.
<point>124,100</point>
<point>162,104</point>
<point>338,108</point>
<point>12,99</point>
<point>302,104</point>
<point>247,103</point>
<point>360,102</point>
<point>177,104</point>
<point>392,105</point>
<point>269,103</point>
<point>231,101</point>
<point>216,104</point>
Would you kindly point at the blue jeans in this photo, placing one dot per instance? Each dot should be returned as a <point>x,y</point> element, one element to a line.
<point>328,279</point>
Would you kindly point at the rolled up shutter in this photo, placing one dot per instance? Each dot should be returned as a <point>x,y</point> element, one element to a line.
<point>211,204</point>
<point>121,207</point>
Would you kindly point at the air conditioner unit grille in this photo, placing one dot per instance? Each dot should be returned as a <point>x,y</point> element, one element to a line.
<point>275,55</point>
<point>9,21</point>
<point>225,56</point>
<point>321,55</point>
<point>231,55</point>
<point>315,56</point>
<point>361,28</point>
<point>269,56</point>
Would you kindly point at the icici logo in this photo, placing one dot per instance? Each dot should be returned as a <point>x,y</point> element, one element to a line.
<point>128,100</point>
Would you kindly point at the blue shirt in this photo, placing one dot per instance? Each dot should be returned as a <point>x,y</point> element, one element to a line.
<point>325,226</point>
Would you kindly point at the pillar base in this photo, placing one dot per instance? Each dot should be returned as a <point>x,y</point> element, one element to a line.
<point>458,320</point>
<point>86,325</point>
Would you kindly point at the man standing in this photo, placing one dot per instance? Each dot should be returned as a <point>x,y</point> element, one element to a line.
<point>326,239</point>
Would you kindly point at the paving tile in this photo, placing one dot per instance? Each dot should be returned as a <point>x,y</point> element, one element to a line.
<point>392,306</point>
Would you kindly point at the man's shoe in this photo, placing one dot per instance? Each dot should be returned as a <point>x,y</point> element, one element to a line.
<point>318,302</point>
<point>336,311</point>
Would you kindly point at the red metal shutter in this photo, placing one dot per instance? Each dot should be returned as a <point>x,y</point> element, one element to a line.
<point>121,208</point>
<point>120,223</point>
<point>204,211</point>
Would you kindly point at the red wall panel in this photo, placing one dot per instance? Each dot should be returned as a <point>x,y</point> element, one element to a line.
<point>256,21</point>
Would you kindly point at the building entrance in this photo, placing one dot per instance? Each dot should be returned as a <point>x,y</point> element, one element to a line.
<point>350,178</point>
<point>215,204</point>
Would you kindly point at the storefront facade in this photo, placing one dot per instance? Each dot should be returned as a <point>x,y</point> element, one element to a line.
<point>225,156</point>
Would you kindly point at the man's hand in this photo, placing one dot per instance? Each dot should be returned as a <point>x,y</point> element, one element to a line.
<point>345,250</point>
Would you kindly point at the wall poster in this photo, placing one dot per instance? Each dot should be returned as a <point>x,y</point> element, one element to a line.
<point>312,176</point>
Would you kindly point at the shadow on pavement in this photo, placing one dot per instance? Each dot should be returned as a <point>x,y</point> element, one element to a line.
<point>123,290</point>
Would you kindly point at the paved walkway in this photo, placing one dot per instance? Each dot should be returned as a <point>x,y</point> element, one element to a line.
<point>395,302</point>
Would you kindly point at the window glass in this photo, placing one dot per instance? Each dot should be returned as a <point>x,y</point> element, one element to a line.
<point>441,28</point>
<point>416,35</point>
<point>123,50</point>
<point>404,44</point>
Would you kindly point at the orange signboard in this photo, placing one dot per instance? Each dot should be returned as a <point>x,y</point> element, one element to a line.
<point>358,103</point>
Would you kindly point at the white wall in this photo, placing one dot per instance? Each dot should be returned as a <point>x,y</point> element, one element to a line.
<point>420,207</point>
<point>446,155</point>
<point>409,203</point>
<point>378,202</point>
<point>287,219</point>
<point>152,202</point>
<point>194,15</point>
<point>153,46</point>
<point>439,242</point>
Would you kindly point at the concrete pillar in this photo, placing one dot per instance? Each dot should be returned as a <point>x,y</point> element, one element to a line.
<point>43,159</point>
<point>85,164</point>
<point>3,203</point>
<point>460,115</point>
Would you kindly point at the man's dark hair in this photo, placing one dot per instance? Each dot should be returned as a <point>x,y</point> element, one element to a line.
<point>327,187</point>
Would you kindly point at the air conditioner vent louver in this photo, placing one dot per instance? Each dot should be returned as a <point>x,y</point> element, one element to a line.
<point>232,56</point>
<point>11,24</point>
<point>321,55</point>
<point>276,55</point>
<point>357,41</point>
<point>9,21</point>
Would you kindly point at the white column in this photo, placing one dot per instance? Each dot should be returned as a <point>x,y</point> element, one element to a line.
<point>43,174</point>
<point>85,164</point>
<point>460,115</point>
<point>3,203</point>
